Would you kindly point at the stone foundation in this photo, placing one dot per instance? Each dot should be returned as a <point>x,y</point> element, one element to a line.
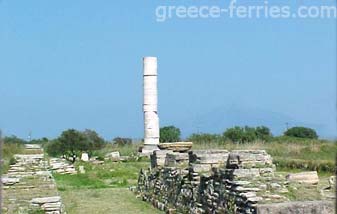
<point>218,181</point>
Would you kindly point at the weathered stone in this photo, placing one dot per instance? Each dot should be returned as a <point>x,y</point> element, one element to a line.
<point>308,207</point>
<point>176,146</point>
<point>32,146</point>
<point>304,177</point>
<point>9,181</point>
<point>114,156</point>
<point>207,186</point>
<point>84,157</point>
<point>249,159</point>
<point>81,169</point>
<point>332,182</point>
<point>44,200</point>
<point>176,159</point>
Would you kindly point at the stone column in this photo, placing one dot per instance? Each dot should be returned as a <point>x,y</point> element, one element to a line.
<point>150,106</point>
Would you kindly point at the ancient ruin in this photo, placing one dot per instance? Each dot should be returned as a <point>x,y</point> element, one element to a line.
<point>221,181</point>
<point>182,180</point>
<point>29,185</point>
<point>150,106</point>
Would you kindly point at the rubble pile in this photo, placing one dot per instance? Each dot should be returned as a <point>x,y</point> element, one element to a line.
<point>62,166</point>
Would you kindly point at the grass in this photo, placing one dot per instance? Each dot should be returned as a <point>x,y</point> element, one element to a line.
<point>128,150</point>
<point>101,201</point>
<point>107,175</point>
<point>103,189</point>
<point>8,151</point>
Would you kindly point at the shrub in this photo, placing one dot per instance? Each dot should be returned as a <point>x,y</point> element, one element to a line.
<point>234,134</point>
<point>263,133</point>
<point>206,138</point>
<point>169,134</point>
<point>13,140</point>
<point>12,161</point>
<point>120,141</point>
<point>247,134</point>
<point>301,132</point>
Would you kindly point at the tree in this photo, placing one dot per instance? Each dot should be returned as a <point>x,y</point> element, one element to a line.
<point>247,134</point>
<point>120,141</point>
<point>301,132</point>
<point>169,134</point>
<point>13,140</point>
<point>55,148</point>
<point>93,140</point>
<point>234,134</point>
<point>72,142</point>
<point>263,133</point>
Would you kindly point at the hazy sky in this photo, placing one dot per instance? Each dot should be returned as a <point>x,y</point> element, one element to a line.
<point>78,64</point>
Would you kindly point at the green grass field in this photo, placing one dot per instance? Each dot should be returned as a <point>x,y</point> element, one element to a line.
<point>102,201</point>
<point>103,189</point>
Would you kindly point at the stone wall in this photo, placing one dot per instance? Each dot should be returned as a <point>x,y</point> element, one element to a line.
<point>29,187</point>
<point>213,181</point>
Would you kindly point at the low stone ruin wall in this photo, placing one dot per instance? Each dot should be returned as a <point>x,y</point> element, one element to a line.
<point>29,187</point>
<point>213,181</point>
<point>310,207</point>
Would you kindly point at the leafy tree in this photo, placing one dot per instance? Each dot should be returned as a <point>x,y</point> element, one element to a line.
<point>119,141</point>
<point>169,134</point>
<point>301,132</point>
<point>93,140</point>
<point>263,133</point>
<point>72,142</point>
<point>247,134</point>
<point>55,148</point>
<point>234,134</point>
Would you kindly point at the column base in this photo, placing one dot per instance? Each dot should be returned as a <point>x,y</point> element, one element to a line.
<point>149,148</point>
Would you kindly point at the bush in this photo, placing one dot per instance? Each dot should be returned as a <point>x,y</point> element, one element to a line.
<point>263,133</point>
<point>169,134</point>
<point>234,134</point>
<point>13,140</point>
<point>206,138</point>
<point>12,161</point>
<point>120,141</point>
<point>247,134</point>
<point>301,132</point>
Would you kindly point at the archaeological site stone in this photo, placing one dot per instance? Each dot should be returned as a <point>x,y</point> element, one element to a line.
<point>85,157</point>
<point>304,177</point>
<point>221,181</point>
<point>114,156</point>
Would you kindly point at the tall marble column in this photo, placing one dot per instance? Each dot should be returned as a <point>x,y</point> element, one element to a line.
<point>150,105</point>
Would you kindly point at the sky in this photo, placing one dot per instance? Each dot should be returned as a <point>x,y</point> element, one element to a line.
<point>78,64</point>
